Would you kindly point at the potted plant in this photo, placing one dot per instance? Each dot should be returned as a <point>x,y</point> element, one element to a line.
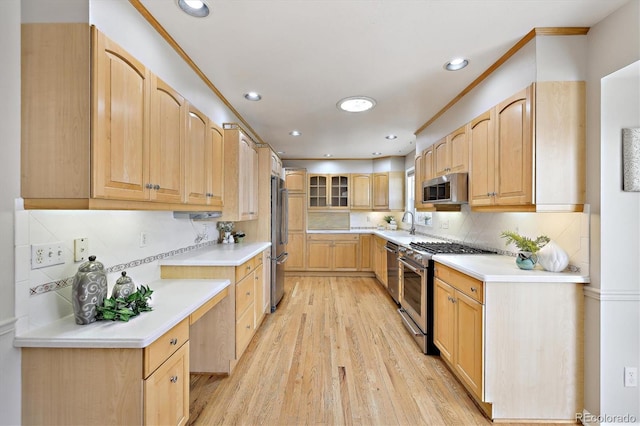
<point>391,221</point>
<point>526,258</point>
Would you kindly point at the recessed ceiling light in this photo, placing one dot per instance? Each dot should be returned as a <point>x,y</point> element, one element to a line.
<point>196,8</point>
<point>376,153</point>
<point>252,96</point>
<point>328,155</point>
<point>356,104</point>
<point>391,137</point>
<point>295,133</point>
<point>456,64</point>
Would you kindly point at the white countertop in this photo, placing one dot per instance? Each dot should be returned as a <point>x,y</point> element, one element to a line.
<point>218,255</point>
<point>172,301</point>
<point>498,268</point>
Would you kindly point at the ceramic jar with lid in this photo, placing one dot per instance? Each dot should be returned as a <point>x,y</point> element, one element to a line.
<point>124,287</point>
<point>89,289</point>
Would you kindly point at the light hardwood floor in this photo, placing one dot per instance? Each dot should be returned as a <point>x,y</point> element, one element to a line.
<point>335,352</point>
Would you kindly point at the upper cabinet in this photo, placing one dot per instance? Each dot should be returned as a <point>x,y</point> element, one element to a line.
<point>361,191</point>
<point>511,170</point>
<point>451,154</point>
<point>240,177</point>
<point>101,131</point>
<point>328,191</point>
<point>296,180</point>
<point>388,191</point>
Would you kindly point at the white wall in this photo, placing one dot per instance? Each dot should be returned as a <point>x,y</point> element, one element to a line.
<point>612,302</point>
<point>9,191</point>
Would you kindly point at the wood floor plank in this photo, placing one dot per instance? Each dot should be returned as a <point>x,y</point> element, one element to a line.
<point>334,353</point>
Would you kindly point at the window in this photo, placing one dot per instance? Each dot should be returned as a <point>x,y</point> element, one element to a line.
<point>411,190</point>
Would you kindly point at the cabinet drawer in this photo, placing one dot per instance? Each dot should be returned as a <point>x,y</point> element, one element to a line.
<point>244,330</point>
<point>157,352</point>
<point>470,286</point>
<point>244,294</point>
<point>244,269</point>
<point>333,237</point>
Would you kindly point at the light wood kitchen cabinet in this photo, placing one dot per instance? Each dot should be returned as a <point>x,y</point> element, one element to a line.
<point>216,145</point>
<point>366,252</point>
<point>418,179</point>
<point>276,165</point>
<point>547,174</point>
<point>451,154</point>
<point>380,260</point>
<point>297,213</point>
<point>240,177</point>
<point>99,130</point>
<point>249,276</point>
<point>199,156</point>
<point>328,191</point>
<point>332,252</point>
<point>297,249</point>
<point>120,124</point>
<point>428,164</point>
<point>388,191</point>
<point>296,181</point>
<point>361,191</point>
<point>440,157</point>
<point>541,324</point>
<point>167,143</point>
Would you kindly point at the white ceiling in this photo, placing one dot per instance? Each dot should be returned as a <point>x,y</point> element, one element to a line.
<point>305,55</point>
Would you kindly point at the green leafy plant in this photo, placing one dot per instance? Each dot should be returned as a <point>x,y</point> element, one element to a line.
<point>525,243</point>
<point>123,309</point>
<point>388,218</point>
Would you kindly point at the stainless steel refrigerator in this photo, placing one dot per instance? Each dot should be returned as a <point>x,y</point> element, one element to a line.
<point>279,238</point>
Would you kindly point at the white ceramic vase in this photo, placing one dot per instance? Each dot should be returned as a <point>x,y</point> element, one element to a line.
<point>552,257</point>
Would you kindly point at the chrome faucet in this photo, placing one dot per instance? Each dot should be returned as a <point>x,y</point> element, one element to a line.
<point>412,231</point>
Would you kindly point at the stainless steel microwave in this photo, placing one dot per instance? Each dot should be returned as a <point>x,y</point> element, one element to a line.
<point>447,189</point>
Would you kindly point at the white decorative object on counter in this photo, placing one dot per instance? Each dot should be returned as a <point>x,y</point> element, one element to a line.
<point>552,257</point>
<point>393,225</point>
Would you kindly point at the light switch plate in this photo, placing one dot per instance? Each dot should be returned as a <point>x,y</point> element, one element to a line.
<point>80,249</point>
<point>49,254</point>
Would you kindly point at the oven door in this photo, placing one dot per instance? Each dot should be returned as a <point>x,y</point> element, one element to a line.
<point>414,292</point>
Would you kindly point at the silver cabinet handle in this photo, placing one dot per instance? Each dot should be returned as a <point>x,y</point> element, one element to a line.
<point>248,293</point>
<point>473,289</point>
<point>148,186</point>
<point>174,379</point>
<point>173,341</point>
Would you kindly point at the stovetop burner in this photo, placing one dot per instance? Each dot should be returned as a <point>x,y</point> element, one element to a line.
<point>448,248</point>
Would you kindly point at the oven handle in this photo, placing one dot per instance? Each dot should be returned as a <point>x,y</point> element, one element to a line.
<point>390,250</point>
<point>408,323</point>
<point>413,268</point>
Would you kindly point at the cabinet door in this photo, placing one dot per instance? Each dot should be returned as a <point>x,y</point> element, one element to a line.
<point>166,391</point>
<point>361,191</point>
<point>441,157</point>
<point>482,170</point>
<point>444,318</point>
<point>248,179</point>
<point>120,153</point>
<point>317,192</point>
<point>365,252</point>
<point>339,196</point>
<point>216,172</point>
<point>468,331</point>
<point>296,181</point>
<point>198,158</point>
<point>458,151</point>
<point>381,191</point>
<point>296,247</point>
<point>297,213</point>
<point>319,255</point>
<point>258,291</point>
<point>419,178</point>
<point>345,255</point>
<point>166,147</point>
<point>514,150</point>
<point>428,165</point>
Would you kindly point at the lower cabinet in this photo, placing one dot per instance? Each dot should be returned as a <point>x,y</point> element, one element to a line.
<point>249,277</point>
<point>296,247</point>
<point>517,347</point>
<point>333,252</point>
<point>113,386</point>
<point>380,259</point>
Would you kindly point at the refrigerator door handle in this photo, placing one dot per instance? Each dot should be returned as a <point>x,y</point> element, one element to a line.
<point>284,225</point>
<point>284,256</point>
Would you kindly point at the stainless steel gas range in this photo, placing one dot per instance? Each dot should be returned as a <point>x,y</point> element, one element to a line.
<point>416,287</point>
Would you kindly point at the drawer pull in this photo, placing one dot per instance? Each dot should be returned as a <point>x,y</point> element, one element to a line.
<point>248,327</point>
<point>173,341</point>
<point>248,293</point>
<point>174,379</point>
<point>248,267</point>
<point>473,289</point>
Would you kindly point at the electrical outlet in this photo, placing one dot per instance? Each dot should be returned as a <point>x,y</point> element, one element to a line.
<point>80,249</point>
<point>43,255</point>
<point>143,239</point>
<point>445,224</point>
<point>630,377</point>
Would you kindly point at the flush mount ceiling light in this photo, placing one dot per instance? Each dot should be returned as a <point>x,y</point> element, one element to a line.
<point>328,155</point>
<point>391,137</point>
<point>376,153</point>
<point>295,133</point>
<point>356,104</point>
<point>252,96</point>
<point>456,64</point>
<point>196,8</point>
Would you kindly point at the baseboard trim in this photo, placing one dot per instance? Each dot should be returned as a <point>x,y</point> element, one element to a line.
<point>611,295</point>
